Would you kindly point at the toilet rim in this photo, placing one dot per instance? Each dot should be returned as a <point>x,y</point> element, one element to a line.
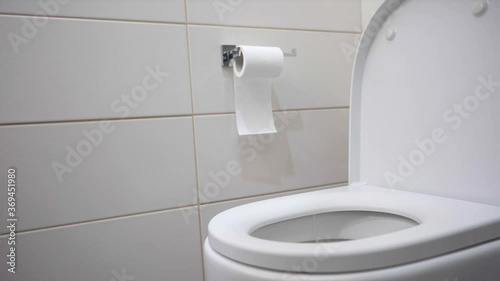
<point>333,226</point>
<point>443,226</point>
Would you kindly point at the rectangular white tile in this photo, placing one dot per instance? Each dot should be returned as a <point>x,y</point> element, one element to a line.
<point>153,247</point>
<point>318,77</point>
<point>335,15</point>
<point>87,69</point>
<point>208,211</point>
<point>309,150</point>
<point>146,10</point>
<point>369,7</point>
<point>75,172</point>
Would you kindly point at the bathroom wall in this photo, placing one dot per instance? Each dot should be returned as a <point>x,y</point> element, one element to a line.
<point>120,124</point>
<point>368,8</point>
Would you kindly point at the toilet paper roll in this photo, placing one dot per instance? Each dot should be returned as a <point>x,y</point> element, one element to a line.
<point>253,71</point>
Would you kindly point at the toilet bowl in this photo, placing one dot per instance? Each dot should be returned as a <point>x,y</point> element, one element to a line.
<point>423,199</point>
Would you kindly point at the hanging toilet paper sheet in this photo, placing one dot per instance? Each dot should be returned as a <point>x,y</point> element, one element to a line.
<point>253,73</point>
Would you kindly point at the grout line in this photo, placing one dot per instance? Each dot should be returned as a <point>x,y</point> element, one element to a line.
<point>178,23</point>
<point>33,230</point>
<point>102,219</point>
<point>277,110</point>
<point>192,110</point>
<point>272,28</point>
<point>194,145</point>
<point>92,19</point>
<point>158,117</point>
<point>201,242</point>
<point>337,184</point>
<point>362,14</point>
<point>94,120</point>
<point>186,11</point>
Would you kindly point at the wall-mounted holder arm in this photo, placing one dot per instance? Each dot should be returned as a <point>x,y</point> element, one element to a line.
<point>230,52</point>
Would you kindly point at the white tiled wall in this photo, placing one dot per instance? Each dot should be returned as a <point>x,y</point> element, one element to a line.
<point>369,7</point>
<point>331,15</point>
<point>120,123</point>
<point>143,10</point>
<point>308,80</point>
<point>139,165</point>
<point>306,151</point>
<point>82,69</point>
<point>156,246</point>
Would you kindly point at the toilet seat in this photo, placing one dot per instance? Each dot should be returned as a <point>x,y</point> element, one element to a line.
<point>445,225</point>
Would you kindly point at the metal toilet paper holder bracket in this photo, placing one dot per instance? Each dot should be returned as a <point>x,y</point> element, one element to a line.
<point>230,52</point>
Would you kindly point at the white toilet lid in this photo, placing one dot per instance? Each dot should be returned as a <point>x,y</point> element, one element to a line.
<point>424,117</point>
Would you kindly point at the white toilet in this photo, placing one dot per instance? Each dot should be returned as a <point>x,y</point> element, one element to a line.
<point>423,202</point>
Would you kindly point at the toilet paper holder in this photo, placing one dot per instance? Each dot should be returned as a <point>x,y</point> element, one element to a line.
<point>230,52</point>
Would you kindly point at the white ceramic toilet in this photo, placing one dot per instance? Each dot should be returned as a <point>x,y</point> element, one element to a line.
<point>423,202</point>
